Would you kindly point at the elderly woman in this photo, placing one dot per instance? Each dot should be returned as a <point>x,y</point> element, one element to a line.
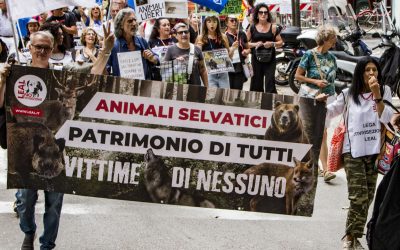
<point>309,74</point>
<point>364,113</point>
<point>263,37</point>
<point>125,28</point>
<point>181,52</point>
<point>90,41</point>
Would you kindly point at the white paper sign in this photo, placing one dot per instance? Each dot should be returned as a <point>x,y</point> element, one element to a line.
<point>149,9</point>
<point>131,65</point>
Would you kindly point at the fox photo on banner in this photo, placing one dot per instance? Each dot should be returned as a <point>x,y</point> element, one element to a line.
<point>157,142</point>
<point>218,61</point>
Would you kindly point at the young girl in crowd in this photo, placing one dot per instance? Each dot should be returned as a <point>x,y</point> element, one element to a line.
<point>211,39</point>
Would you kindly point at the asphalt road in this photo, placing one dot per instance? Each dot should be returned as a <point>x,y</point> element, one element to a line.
<point>94,223</point>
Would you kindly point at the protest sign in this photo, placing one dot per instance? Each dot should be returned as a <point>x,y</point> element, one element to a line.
<point>217,61</point>
<point>160,51</point>
<point>131,65</point>
<point>149,9</point>
<point>232,7</point>
<point>157,142</point>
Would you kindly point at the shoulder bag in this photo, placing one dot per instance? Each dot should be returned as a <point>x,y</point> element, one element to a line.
<point>307,91</point>
<point>335,160</point>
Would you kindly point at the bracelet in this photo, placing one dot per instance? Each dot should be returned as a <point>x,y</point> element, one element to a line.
<point>378,100</point>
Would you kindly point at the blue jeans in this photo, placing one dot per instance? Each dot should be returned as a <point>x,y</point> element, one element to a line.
<point>26,201</point>
<point>220,80</point>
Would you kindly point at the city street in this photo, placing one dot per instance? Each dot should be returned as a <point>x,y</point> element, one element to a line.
<point>94,223</point>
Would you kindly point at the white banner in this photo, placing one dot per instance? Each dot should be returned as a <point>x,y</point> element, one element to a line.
<point>177,113</point>
<point>29,8</point>
<point>149,9</point>
<point>169,143</point>
<point>131,65</point>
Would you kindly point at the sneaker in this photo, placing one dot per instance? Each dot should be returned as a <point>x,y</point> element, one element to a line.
<point>348,244</point>
<point>320,173</point>
<point>357,245</point>
<point>27,244</point>
<point>329,176</point>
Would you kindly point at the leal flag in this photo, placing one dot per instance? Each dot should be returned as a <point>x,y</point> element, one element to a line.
<point>217,5</point>
<point>29,8</point>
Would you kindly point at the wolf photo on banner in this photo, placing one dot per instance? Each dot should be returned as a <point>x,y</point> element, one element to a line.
<point>218,61</point>
<point>164,143</point>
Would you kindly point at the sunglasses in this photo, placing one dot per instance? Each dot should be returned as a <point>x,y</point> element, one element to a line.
<point>183,32</point>
<point>263,12</point>
<point>42,48</point>
<point>233,20</point>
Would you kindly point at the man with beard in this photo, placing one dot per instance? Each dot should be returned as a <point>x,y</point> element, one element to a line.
<point>125,28</point>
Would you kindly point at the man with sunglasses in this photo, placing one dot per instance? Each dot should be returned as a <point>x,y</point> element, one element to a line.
<point>181,52</point>
<point>41,46</point>
<point>238,41</point>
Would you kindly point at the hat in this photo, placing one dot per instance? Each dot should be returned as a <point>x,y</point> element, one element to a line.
<point>33,20</point>
<point>233,16</point>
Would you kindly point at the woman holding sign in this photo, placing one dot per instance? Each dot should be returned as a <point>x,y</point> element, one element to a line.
<point>125,28</point>
<point>263,38</point>
<point>364,113</point>
<point>237,41</point>
<point>213,39</point>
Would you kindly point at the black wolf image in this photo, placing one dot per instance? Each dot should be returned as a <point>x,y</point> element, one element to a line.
<point>299,181</point>
<point>158,183</point>
<point>171,10</point>
<point>33,150</point>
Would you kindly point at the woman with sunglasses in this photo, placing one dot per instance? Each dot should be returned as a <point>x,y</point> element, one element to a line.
<point>181,52</point>
<point>210,39</point>
<point>95,18</point>
<point>237,41</point>
<point>90,51</point>
<point>263,38</point>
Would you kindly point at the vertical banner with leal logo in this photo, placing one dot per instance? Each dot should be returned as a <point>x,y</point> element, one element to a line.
<point>150,141</point>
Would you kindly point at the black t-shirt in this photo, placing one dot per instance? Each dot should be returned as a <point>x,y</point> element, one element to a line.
<point>174,52</point>
<point>193,35</point>
<point>69,20</point>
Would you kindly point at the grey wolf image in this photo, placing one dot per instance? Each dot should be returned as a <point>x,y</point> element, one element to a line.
<point>286,125</point>
<point>34,88</point>
<point>141,2</point>
<point>34,151</point>
<point>158,183</point>
<point>299,181</point>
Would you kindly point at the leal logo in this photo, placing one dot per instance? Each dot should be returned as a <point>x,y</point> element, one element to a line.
<point>30,90</point>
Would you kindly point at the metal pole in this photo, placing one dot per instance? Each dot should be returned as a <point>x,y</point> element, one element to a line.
<point>13,28</point>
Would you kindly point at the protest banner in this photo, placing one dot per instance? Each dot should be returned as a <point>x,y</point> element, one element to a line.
<point>149,9</point>
<point>131,65</point>
<point>160,51</point>
<point>217,61</point>
<point>163,143</point>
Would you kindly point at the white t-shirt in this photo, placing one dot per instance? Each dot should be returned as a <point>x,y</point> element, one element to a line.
<point>363,125</point>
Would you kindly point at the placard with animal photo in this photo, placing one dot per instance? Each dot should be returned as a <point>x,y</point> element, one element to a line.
<point>156,142</point>
<point>153,9</point>
<point>218,61</point>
